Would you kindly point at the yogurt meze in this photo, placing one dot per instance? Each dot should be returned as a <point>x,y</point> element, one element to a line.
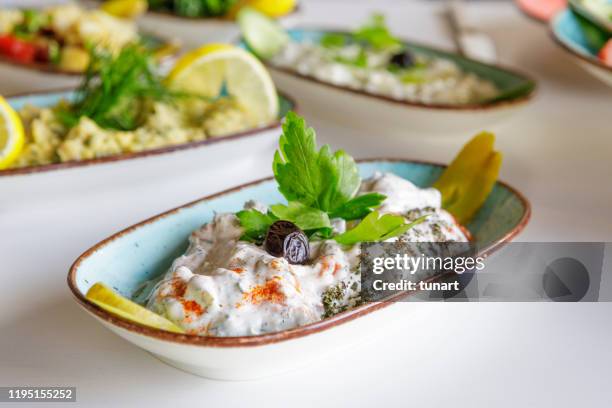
<point>223,286</point>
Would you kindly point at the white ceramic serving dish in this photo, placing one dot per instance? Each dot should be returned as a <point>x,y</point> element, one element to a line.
<point>365,110</point>
<point>144,251</point>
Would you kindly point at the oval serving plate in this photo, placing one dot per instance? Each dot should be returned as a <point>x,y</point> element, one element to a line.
<point>368,110</point>
<point>168,50</point>
<point>144,251</point>
<point>193,31</point>
<point>569,35</point>
<point>267,135</point>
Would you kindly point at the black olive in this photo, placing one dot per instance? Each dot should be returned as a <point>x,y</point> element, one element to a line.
<point>285,239</point>
<point>296,248</point>
<point>403,59</point>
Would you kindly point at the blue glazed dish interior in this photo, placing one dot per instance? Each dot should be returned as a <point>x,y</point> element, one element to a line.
<point>144,253</point>
<point>568,30</point>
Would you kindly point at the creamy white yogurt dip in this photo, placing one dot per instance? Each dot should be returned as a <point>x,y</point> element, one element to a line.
<point>223,286</point>
<point>430,80</point>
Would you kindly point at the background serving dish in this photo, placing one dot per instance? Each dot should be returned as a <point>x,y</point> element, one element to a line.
<point>266,137</point>
<point>193,31</point>
<point>568,34</point>
<point>404,117</point>
<point>127,259</point>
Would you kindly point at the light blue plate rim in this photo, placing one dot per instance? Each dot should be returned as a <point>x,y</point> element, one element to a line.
<point>566,33</point>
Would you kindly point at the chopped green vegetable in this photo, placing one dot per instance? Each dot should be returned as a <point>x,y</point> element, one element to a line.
<point>361,61</point>
<point>332,40</point>
<point>194,8</point>
<point>376,34</point>
<point>255,224</point>
<point>307,218</point>
<point>33,21</point>
<point>375,228</point>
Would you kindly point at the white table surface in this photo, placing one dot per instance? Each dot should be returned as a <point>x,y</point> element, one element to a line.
<point>557,152</point>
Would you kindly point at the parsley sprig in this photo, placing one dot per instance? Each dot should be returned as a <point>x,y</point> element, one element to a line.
<point>319,186</point>
<point>372,35</point>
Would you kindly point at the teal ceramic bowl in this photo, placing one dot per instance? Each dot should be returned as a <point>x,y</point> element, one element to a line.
<point>581,40</point>
<point>365,109</point>
<point>145,251</point>
<point>266,136</point>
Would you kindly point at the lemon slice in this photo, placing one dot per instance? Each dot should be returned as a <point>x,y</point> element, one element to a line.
<point>273,8</point>
<point>12,136</point>
<point>125,8</point>
<point>111,301</point>
<point>206,70</point>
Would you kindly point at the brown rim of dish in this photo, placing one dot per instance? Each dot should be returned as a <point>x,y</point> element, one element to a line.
<point>447,107</point>
<point>263,339</point>
<point>591,60</point>
<point>160,13</point>
<point>136,155</point>
<point>50,69</point>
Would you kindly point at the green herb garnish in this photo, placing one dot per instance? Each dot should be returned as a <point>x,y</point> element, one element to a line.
<point>194,8</point>
<point>320,185</point>
<point>376,34</point>
<point>33,21</point>
<point>376,228</point>
<point>255,224</point>
<point>332,40</point>
<point>116,89</point>
<point>307,218</point>
<point>360,61</point>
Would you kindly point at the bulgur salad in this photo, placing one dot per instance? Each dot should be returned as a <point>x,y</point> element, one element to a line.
<point>269,268</point>
<point>372,60</point>
<point>58,36</point>
<point>124,106</point>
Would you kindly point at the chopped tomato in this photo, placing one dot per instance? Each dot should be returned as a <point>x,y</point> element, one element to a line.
<point>17,49</point>
<point>605,54</point>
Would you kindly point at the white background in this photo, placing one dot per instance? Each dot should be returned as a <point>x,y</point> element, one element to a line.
<point>557,152</point>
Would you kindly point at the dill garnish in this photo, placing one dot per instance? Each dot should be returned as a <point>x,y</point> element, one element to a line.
<point>116,89</point>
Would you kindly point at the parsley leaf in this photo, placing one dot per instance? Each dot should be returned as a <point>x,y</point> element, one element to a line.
<point>331,40</point>
<point>317,179</point>
<point>307,218</point>
<point>377,34</point>
<point>376,228</point>
<point>359,207</point>
<point>255,224</point>
<point>319,185</point>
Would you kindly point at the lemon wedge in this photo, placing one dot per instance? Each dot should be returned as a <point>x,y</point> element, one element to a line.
<point>12,136</point>
<point>125,8</point>
<point>112,302</point>
<point>271,8</point>
<point>213,68</point>
<point>468,180</point>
